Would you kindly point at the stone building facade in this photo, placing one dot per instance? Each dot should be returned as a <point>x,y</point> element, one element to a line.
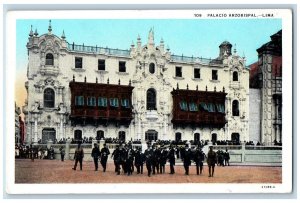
<point>79,91</point>
<point>266,77</point>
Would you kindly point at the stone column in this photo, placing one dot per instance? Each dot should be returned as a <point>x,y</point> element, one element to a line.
<point>165,127</point>
<point>35,140</point>
<point>139,134</point>
<point>67,156</point>
<point>61,127</point>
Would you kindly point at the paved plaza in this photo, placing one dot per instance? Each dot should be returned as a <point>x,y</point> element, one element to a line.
<point>55,171</point>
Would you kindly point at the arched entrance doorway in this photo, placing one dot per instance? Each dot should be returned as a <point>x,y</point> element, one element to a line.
<point>151,135</point>
<point>48,134</point>
<point>235,137</point>
<point>214,138</point>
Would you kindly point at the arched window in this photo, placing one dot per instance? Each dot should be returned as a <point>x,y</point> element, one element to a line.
<point>196,137</point>
<point>214,138</point>
<point>77,135</point>
<point>151,99</point>
<point>49,98</point>
<point>235,76</point>
<point>49,59</point>
<point>177,136</point>
<point>152,68</point>
<point>100,135</point>
<point>235,108</point>
<point>122,135</point>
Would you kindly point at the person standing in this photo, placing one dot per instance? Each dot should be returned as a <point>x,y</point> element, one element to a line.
<point>186,158</point>
<point>226,157</point>
<point>139,161</point>
<point>116,155</point>
<point>104,156</point>
<point>31,152</point>
<point>62,153</point>
<point>78,156</point>
<point>199,158</point>
<point>95,154</point>
<point>163,159</point>
<point>211,161</point>
<point>171,157</point>
<point>129,160</point>
<point>149,156</point>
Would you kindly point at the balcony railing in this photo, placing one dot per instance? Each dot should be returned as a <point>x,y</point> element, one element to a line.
<point>98,50</point>
<point>188,59</point>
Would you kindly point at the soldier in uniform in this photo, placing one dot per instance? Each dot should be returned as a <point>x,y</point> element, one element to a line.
<point>116,155</point>
<point>171,157</point>
<point>186,158</point>
<point>211,161</point>
<point>95,154</point>
<point>226,157</point>
<point>104,156</point>
<point>148,157</point>
<point>78,156</point>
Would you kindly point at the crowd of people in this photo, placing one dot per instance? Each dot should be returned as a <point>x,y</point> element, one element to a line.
<point>127,158</point>
<point>30,152</point>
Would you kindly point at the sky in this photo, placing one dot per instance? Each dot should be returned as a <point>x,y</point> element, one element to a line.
<point>190,37</point>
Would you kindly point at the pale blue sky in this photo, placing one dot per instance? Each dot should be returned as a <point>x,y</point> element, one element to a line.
<point>188,37</point>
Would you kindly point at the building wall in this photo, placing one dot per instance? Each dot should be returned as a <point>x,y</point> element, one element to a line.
<point>138,58</point>
<point>255,115</point>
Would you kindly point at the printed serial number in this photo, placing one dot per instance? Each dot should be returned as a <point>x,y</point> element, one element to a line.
<point>268,186</point>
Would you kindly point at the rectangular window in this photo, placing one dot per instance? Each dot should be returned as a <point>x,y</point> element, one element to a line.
<point>101,64</point>
<point>211,107</point>
<point>125,103</point>
<point>196,72</point>
<point>214,75</point>
<point>114,102</point>
<point>102,102</point>
<point>193,107</point>
<point>203,106</point>
<point>122,66</point>
<point>220,108</point>
<point>78,62</point>
<point>79,100</point>
<point>178,71</point>
<point>183,106</point>
<point>91,101</point>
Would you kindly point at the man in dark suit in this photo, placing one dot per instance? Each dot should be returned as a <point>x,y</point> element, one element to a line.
<point>199,158</point>
<point>139,161</point>
<point>149,156</point>
<point>116,155</point>
<point>226,157</point>
<point>78,156</point>
<point>129,160</point>
<point>186,158</point>
<point>171,157</point>
<point>104,156</point>
<point>95,154</point>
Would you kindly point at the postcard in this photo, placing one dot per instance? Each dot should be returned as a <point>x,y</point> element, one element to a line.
<point>149,101</point>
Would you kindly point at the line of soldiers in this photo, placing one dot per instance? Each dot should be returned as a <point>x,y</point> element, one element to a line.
<point>155,159</point>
